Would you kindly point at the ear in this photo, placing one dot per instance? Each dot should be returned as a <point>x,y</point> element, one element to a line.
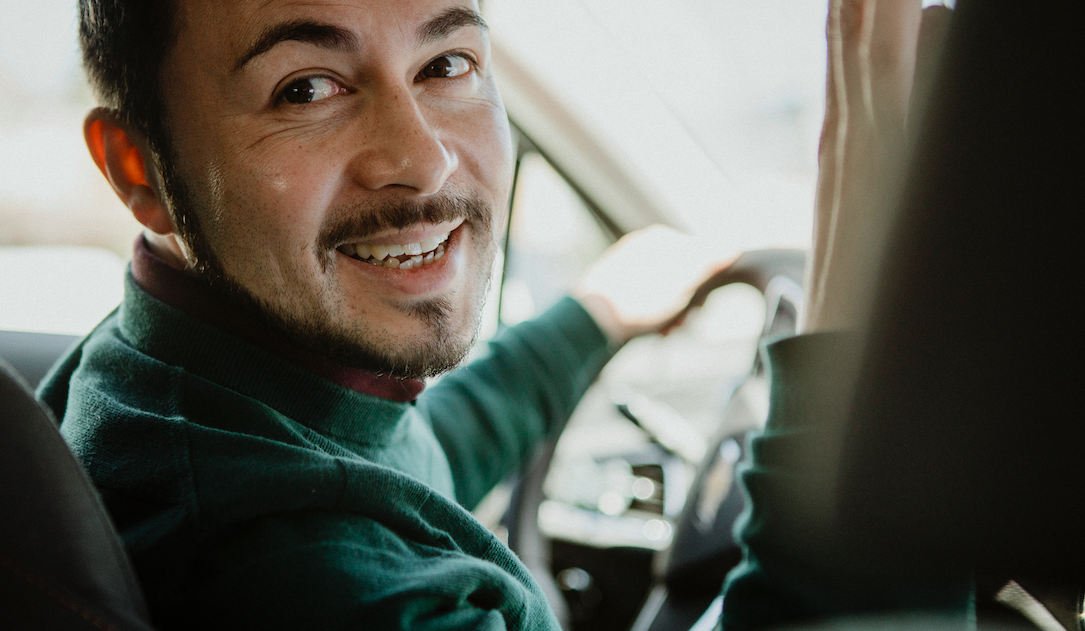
<point>121,155</point>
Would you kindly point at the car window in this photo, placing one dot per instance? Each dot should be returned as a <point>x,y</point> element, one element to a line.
<point>64,237</point>
<point>709,111</point>
<point>552,239</point>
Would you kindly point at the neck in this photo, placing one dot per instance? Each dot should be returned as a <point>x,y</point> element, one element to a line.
<point>166,248</point>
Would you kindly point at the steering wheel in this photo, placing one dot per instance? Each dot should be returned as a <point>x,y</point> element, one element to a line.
<point>691,572</point>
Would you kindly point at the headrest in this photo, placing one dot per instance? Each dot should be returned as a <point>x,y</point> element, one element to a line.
<point>61,563</point>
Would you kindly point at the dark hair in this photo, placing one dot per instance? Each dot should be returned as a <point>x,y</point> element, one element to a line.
<point>124,43</point>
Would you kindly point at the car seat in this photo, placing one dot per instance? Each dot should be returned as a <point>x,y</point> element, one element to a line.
<point>62,565</point>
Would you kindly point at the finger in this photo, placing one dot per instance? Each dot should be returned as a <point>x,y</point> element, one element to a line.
<point>872,46</point>
<point>678,321</point>
<point>841,34</point>
<point>876,42</point>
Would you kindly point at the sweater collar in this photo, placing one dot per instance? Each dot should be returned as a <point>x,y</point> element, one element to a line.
<point>183,290</point>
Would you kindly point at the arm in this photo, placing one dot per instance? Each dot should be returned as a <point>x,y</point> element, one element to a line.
<point>490,414</point>
<point>872,48</point>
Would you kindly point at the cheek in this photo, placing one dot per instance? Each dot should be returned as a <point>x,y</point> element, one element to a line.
<point>487,154</point>
<point>499,141</point>
<point>281,193</point>
<point>501,167</point>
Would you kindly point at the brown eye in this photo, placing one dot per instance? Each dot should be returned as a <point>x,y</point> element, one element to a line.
<point>445,67</point>
<point>309,90</point>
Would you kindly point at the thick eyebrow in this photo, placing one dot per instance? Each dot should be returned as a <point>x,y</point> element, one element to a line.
<point>448,22</point>
<point>317,33</point>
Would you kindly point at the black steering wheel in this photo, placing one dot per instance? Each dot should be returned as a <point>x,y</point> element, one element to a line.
<point>688,575</point>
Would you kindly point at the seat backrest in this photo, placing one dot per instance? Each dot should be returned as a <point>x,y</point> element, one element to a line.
<point>966,440</point>
<point>62,565</point>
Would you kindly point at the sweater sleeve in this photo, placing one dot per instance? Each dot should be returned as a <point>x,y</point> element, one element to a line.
<point>796,567</point>
<point>332,571</point>
<point>490,414</point>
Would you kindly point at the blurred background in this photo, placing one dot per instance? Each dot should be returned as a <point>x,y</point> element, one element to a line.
<point>63,235</point>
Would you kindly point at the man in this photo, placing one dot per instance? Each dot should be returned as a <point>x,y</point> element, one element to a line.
<point>322,186</point>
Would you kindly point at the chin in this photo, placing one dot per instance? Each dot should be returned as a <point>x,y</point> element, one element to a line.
<point>430,337</point>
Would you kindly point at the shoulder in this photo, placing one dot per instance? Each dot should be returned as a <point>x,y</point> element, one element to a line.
<point>347,570</point>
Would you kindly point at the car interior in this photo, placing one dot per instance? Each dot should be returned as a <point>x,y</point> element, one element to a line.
<point>964,435</point>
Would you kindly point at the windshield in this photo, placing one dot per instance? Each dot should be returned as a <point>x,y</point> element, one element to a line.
<point>713,107</point>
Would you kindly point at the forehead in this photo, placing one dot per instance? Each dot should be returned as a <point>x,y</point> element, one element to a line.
<point>229,27</point>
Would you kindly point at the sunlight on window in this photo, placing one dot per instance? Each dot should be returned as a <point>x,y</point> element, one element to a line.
<point>714,105</point>
<point>553,240</point>
<point>51,194</point>
<point>58,289</point>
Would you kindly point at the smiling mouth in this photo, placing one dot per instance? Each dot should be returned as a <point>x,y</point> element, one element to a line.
<point>398,256</point>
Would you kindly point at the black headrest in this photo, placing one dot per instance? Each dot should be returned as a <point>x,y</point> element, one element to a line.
<point>62,565</point>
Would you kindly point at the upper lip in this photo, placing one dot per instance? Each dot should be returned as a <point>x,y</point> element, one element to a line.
<point>415,234</point>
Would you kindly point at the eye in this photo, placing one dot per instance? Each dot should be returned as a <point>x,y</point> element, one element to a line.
<point>311,89</point>
<point>446,67</point>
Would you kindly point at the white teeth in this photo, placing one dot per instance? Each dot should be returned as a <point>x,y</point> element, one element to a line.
<point>411,263</point>
<point>385,254</point>
<point>433,242</point>
<point>429,244</point>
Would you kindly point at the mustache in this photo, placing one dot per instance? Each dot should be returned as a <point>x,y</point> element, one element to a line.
<point>363,220</point>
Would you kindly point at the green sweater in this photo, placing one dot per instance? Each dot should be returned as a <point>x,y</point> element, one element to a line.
<point>251,493</point>
<point>797,565</point>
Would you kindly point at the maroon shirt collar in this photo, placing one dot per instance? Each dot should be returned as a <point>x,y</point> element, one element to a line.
<point>184,291</point>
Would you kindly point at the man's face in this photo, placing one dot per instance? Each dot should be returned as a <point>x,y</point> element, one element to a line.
<point>308,135</point>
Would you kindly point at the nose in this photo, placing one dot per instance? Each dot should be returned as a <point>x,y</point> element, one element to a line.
<point>402,147</point>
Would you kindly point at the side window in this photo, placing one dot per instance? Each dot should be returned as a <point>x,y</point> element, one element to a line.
<point>552,238</point>
<point>64,236</point>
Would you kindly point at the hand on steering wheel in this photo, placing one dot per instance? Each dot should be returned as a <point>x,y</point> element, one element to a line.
<point>634,289</point>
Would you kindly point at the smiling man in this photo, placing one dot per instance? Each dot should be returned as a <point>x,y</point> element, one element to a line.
<point>323,185</point>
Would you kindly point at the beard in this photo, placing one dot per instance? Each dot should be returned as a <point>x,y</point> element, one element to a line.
<point>356,344</point>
